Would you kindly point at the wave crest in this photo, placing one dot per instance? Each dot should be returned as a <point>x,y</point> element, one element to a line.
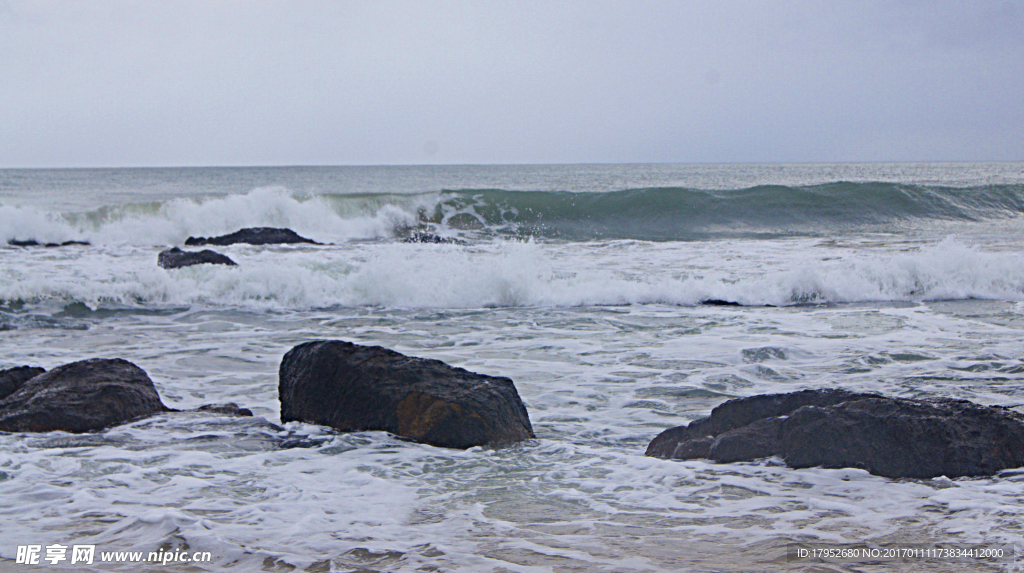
<point>655,214</point>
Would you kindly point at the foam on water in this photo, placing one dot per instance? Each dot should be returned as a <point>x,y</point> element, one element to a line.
<point>599,383</point>
<point>501,273</point>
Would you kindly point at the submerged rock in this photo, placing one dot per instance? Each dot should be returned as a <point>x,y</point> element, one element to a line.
<point>81,397</point>
<point>228,409</point>
<point>13,378</point>
<point>35,243</point>
<point>432,238</point>
<point>175,258</point>
<point>891,437</point>
<point>253,236</point>
<point>358,388</point>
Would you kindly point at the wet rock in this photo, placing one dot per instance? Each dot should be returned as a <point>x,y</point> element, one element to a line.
<point>891,437</point>
<point>35,243</point>
<point>359,388</point>
<point>228,409</point>
<point>13,378</point>
<point>175,258</point>
<point>431,238</point>
<point>81,397</point>
<point>253,236</point>
<point>719,302</point>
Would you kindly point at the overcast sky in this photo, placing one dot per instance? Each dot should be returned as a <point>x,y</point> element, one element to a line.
<point>160,83</point>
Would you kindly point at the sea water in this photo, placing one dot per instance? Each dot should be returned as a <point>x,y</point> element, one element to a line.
<point>582,283</point>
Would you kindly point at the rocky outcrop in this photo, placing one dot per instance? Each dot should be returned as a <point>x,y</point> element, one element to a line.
<point>80,397</point>
<point>175,258</point>
<point>253,236</point>
<point>13,378</point>
<point>891,437</point>
<point>359,388</point>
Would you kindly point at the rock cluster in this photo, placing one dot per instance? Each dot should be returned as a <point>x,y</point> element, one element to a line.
<point>363,388</point>
<point>334,383</point>
<point>83,396</point>
<point>175,258</point>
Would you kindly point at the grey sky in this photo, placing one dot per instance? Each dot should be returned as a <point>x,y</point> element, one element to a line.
<point>126,83</point>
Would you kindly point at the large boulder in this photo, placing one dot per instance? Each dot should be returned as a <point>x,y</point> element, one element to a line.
<point>891,437</point>
<point>175,258</point>
<point>13,378</point>
<point>252,236</point>
<point>358,388</point>
<point>80,397</point>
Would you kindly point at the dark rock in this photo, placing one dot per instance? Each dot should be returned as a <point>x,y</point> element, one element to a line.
<point>14,378</point>
<point>891,437</point>
<point>35,243</point>
<point>253,236</point>
<point>175,258</point>
<point>358,388</point>
<point>742,412</point>
<point>304,443</point>
<point>229,409</point>
<point>719,302</point>
<point>431,238</point>
<point>81,397</point>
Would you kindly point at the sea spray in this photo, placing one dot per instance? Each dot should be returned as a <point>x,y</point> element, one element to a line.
<point>519,274</point>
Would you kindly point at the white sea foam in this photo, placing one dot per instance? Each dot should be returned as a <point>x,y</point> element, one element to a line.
<point>599,383</point>
<point>501,273</point>
<point>31,223</point>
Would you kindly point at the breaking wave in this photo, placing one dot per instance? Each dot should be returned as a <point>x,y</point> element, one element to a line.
<point>517,274</point>
<point>654,214</point>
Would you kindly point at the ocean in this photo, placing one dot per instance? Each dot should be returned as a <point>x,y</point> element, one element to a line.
<point>582,283</point>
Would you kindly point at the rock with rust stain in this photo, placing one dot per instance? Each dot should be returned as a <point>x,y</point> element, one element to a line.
<point>359,388</point>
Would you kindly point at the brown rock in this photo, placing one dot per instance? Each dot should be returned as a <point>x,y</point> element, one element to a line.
<point>359,388</point>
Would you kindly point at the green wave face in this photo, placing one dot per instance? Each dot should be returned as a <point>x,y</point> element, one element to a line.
<point>663,214</point>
